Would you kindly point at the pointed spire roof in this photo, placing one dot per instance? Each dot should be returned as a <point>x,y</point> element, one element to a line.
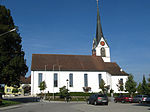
<point>99,33</point>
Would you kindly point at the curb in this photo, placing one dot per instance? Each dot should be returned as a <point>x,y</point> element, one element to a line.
<point>10,107</point>
<point>62,101</point>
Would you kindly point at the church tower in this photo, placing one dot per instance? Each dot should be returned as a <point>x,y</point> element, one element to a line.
<point>100,45</point>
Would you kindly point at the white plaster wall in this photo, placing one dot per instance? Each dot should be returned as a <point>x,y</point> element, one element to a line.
<point>78,81</point>
<point>115,82</point>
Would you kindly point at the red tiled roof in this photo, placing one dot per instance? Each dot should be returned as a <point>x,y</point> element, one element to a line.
<point>50,62</point>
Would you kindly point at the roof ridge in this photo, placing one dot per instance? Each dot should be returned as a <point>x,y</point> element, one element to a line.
<point>65,55</point>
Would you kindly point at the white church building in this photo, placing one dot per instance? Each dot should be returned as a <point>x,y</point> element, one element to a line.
<point>77,71</point>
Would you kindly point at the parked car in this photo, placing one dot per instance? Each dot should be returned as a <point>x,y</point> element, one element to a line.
<point>140,98</point>
<point>98,99</point>
<point>123,99</point>
<point>148,99</point>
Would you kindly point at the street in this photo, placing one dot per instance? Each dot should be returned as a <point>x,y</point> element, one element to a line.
<point>79,107</point>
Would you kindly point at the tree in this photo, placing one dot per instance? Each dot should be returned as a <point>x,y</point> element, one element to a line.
<point>42,86</point>
<point>15,90</point>
<point>102,85</point>
<point>130,85</point>
<point>139,88</point>
<point>149,84</point>
<point>12,62</point>
<point>86,89</point>
<point>63,92</point>
<point>144,86</point>
<point>120,85</point>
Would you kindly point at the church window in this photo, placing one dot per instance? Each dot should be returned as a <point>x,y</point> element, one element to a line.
<point>71,80</point>
<point>55,80</point>
<point>103,54</point>
<point>99,78</point>
<point>40,78</point>
<point>85,80</point>
<point>121,80</point>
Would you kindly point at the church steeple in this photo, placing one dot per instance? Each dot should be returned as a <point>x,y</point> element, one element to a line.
<point>99,33</point>
<point>100,45</point>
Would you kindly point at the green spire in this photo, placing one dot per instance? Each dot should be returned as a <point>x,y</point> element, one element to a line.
<point>99,33</point>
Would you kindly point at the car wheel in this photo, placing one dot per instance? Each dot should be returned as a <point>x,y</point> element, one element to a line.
<point>115,101</point>
<point>95,103</point>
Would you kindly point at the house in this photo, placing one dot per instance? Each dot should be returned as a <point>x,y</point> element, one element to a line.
<point>25,82</point>
<point>77,71</point>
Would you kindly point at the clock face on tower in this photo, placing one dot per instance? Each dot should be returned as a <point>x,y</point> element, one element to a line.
<point>102,43</point>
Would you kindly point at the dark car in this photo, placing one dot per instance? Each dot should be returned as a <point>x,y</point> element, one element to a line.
<point>123,99</point>
<point>98,99</point>
<point>148,99</point>
<point>140,98</point>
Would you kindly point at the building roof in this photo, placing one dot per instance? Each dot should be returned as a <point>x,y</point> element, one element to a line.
<point>114,69</point>
<point>66,62</point>
<point>56,62</point>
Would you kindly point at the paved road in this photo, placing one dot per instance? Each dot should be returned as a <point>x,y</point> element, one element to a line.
<point>79,107</point>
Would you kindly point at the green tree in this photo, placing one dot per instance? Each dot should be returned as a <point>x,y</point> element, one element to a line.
<point>15,90</point>
<point>120,85</point>
<point>144,86</point>
<point>149,84</point>
<point>139,88</point>
<point>42,86</point>
<point>63,92</point>
<point>12,62</point>
<point>102,85</point>
<point>130,85</point>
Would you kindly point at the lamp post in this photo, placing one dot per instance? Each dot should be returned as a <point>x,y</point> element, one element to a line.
<point>67,84</point>
<point>8,32</point>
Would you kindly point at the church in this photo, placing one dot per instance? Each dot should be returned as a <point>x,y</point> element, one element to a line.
<point>77,71</point>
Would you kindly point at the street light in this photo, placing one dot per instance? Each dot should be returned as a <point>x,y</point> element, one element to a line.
<point>67,84</point>
<point>8,32</point>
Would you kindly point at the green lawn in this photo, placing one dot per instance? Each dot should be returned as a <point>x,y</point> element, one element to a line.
<point>8,103</point>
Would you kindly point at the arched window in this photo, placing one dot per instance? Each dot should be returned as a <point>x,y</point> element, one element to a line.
<point>103,54</point>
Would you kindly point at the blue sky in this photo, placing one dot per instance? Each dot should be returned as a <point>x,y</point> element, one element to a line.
<point>69,26</point>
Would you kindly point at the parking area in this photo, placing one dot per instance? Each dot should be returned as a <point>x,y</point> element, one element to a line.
<point>113,107</point>
<point>79,107</point>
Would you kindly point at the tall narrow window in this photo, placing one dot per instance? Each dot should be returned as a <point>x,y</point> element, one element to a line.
<point>55,80</point>
<point>85,80</point>
<point>99,78</point>
<point>103,54</point>
<point>121,80</point>
<point>40,78</point>
<point>71,80</point>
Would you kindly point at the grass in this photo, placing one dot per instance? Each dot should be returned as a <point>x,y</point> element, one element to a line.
<point>8,103</point>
